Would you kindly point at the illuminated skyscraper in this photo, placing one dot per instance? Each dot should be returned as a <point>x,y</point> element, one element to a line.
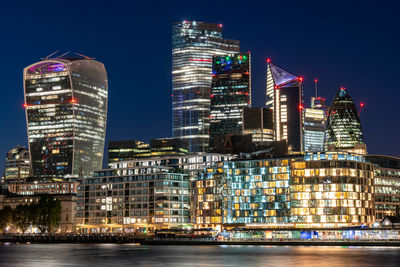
<point>314,129</point>
<point>193,46</point>
<point>66,108</point>
<point>343,130</point>
<point>230,93</point>
<point>285,98</point>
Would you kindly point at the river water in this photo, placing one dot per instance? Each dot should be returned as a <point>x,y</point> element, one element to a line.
<point>44,255</point>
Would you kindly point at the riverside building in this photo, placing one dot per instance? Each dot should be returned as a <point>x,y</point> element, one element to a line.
<point>66,109</point>
<point>332,189</point>
<point>242,192</point>
<point>193,46</point>
<point>131,199</point>
<point>316,190</point>
<point>387,185</point>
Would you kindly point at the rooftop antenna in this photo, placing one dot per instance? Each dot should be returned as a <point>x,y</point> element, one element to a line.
<point>83,56</point>
<point>361,107</point>
<point>63,54</point>
<point>316,87</point>
<point>45,58</point>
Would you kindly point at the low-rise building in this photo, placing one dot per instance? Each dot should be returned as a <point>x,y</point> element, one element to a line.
<point>332,189</point>
<point>243,192</point>
<point>133,198</point>
<point>44,187</point>
<point>68,207</point>
<point>387,185</point>
<point>191,164</point>
<point>314,190</point>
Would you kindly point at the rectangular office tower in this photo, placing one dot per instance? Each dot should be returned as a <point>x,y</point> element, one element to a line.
<point>314,129</point>
<point>230,93</point>
<point>285,98</point>
<point>66,108</point>
<point>193,46</point>
<point>258,122</point>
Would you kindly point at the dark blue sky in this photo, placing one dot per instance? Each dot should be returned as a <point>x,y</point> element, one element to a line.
<point>342,43</point>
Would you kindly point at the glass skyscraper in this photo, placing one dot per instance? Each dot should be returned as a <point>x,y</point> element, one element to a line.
<point>285,98</point>
<point>343,130</point>
<point>230,93</point>
<point>193,46</point>
<point>66,109</point>
<point>314,129</point>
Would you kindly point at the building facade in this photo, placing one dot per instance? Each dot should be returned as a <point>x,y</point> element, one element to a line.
<point>193,46</point>
<point>314,121</point>
<point>190,164</point>
<point>242,192</point>
<point>230,93</point>
<point>68,207</point>
<point>44,187</point>
<point>284,92</point>
<point>343,129</point>
<point>133,199</point>
<point>127,150</point>
<point>66,108</point>
<point>259,123</point>
<point>387,185</point>
<point>314,190</point>
<point>332,189</point>
<point>17,164</point>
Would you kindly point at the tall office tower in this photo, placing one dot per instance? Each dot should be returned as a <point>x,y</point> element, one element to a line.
<point>66,110</point>
<point>230,93</point>
<point>343,130</point>
<point>285,98</point>
<point>258,122</point>
<point>193,46</point>
<point>314,129</point>
<point>17,164</point>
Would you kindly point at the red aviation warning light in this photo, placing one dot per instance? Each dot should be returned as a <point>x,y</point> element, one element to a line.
<point>25,105</point>
<point>361,107</point>
<point>300,79</point>
<point>301,107</point>
<point>315,80</point>
<point>73,101</point>
<point>268,60</point>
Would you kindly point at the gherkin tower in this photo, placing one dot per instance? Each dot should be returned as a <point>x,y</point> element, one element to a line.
<point>343,129</point>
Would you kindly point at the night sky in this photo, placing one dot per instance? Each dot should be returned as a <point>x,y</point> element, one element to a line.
<point>354,44</point>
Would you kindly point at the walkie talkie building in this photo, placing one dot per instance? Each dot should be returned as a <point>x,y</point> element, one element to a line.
<point>66,111</point>
<point>193,46</point>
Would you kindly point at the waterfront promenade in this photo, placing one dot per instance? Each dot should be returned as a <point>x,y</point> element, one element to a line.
<point>147,240</point>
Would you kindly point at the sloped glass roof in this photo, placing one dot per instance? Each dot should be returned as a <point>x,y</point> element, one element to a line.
<point>281,76</point>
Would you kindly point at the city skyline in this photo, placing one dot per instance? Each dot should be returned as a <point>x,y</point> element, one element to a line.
<point>121,110</point>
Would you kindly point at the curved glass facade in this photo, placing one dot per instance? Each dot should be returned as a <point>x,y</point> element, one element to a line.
<point>66,108</point>
<point>331,189</point>
<point>343,128</point>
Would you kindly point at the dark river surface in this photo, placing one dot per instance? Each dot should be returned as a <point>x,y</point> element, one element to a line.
<point>134,255</point>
